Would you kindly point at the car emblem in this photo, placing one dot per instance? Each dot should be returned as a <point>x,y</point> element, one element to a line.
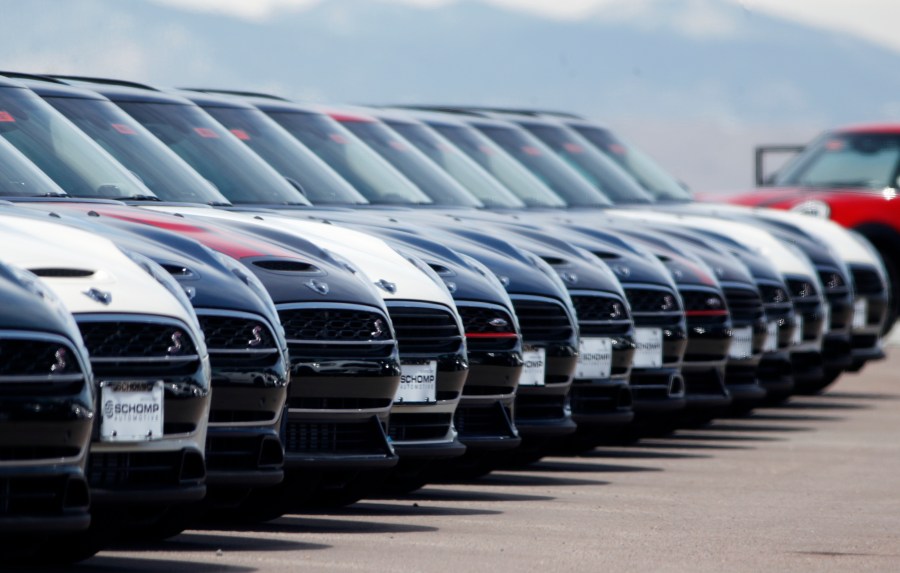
<point>780,296</point>
<point>320,287</point>
<point>668,302</point>
<point>504,280</point>
<point>622,270</point>
<point>379,329</point>
<point>451,286</point>
<point>101,296</point>
<point>176,343</point>
<point>720,272</point>
<point>387,286</point>
<point>257,338</point>
<point>498,322</point>
<point>677,273</point>
<point>191,292</point>
<point>616,311</point>
<point>60,364</point>
<point>570,278</point>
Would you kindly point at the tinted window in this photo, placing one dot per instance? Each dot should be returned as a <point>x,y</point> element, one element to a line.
<point>215,153</point>
<point>846,160</point>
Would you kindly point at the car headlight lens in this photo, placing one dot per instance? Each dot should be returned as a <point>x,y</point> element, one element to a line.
<point>818,209</point>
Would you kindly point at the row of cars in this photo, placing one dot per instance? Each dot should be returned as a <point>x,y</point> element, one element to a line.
<point>232,305</point>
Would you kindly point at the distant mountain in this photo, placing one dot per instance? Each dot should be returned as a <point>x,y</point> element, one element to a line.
<point>669,72</point>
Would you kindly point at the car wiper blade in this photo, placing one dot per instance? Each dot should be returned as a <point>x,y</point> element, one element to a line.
<point>136,198</point>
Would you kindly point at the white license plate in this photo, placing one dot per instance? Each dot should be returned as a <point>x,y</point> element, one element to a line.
<point>649,348</point>
<point>860,313</point>
<point>418,383</point>
<point>826,318</point>
<point>797,338</point>
<point>535,366</point>
<point>131,411</point>
<point>594,358</point>
<point>741,343</point>
<point>771,344</point>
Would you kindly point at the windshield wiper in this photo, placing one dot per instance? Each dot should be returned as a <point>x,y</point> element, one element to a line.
<point>137,198</point>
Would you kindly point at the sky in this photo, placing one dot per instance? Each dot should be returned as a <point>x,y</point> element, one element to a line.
<point>874,20</point>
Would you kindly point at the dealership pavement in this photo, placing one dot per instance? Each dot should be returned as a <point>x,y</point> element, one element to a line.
<point>813,486</point>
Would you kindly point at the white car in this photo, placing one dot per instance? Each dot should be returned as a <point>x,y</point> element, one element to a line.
<point>149,359</point>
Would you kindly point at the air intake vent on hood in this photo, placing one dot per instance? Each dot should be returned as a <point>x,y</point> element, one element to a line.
<point>178,270</point>
<point>554,261</point>
<point>53,272</point>
<point>286,266</point>
<point>606,256</point>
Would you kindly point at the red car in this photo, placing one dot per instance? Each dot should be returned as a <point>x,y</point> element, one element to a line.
<point>850,175</point>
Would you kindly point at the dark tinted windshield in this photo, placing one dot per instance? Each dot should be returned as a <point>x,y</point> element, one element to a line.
<point>288,156</point>
<point>580,155</point>
<point>19,177</point>
<point>215,153</point>
<point>653,178</point>
<point>166,174</point>
<point>455,163</point>
<point>368,172</point>
<point>440,187</point>
<point>541,161</point>
<point>868,160</point>
<point>68,156</point>
<point>498,163</point>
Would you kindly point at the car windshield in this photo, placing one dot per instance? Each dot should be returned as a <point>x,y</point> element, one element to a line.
<point>498,163</point>
<point>292,159</point>
<point>459,166</point>
<point>368,172</point>
<point>653,178</point>
<point>845,160</point>
<point>238,173</point>
<point>62,151</point>
<point>534,155</point>
<point>434,182</point>
<point>160,169</point>
<point>19,177</point>
<point>580,155</point>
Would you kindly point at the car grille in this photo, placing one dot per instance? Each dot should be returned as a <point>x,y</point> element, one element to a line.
<point>233,340</point>
<point>39,495</point>
<point>481,335</point>
<point>138,347</point>
<point>599,314</point>
<point>419,427</point>
<point>866,281</point>
<point>365,437</point>
<point>539,407</point>
<point>653,307</point>
<point>336,332</point>
<point>27,360</point>
<point>774,295</point>
<point>144,469</point>
<point>424,329</point>
<point>493,420</point>
<point>744,304</point>
<point>543,320</point>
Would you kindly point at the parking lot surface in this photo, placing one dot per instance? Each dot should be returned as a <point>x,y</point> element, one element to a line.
<point>811,486</point>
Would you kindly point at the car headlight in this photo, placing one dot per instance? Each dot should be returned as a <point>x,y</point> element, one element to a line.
<point>813,207</point>
<point>166,280</point>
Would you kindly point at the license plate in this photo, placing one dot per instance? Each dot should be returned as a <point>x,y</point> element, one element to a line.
<point>535,366</point>
<point>418,383</point>
<point>771,344</point>
<point>797,338</point>
<point>860,313</point>
<point>649,351</point>
<point>741,343</point>
<point>826,318</point>
<point>131,411</point>
<point>594,358</point>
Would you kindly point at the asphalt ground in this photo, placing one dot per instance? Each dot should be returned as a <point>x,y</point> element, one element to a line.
<point>810,486</point>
